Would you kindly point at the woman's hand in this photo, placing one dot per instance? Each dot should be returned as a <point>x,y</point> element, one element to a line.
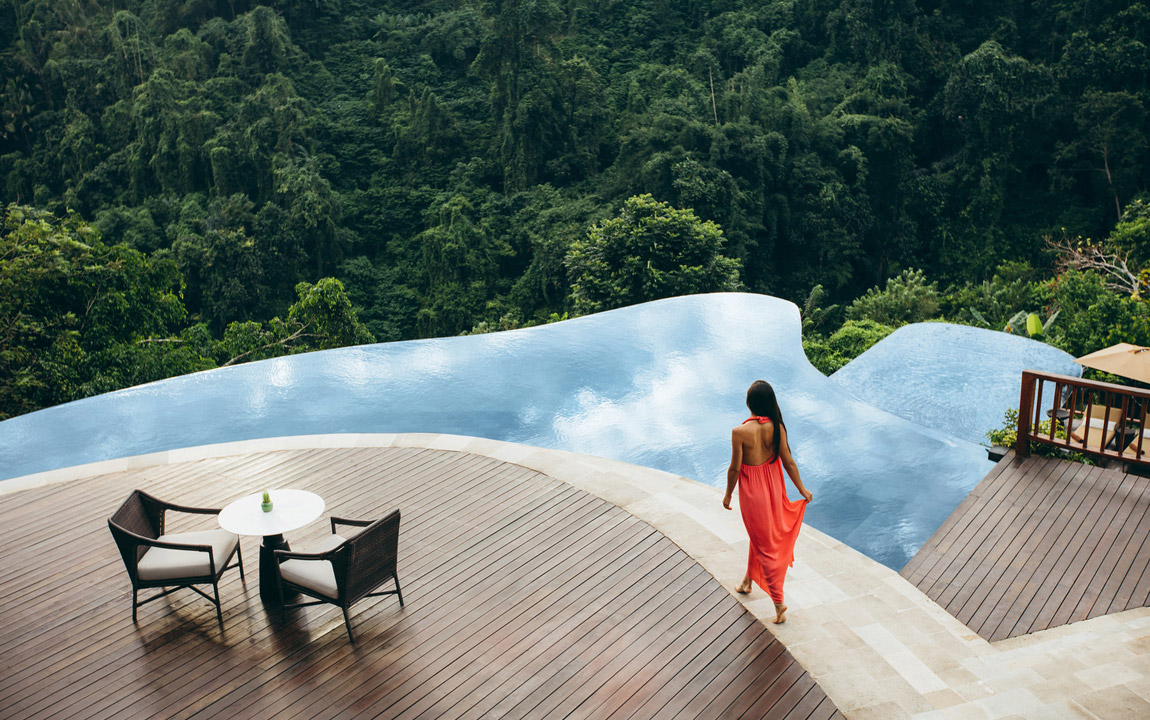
<point>727,500</point>
<point>806,494</point>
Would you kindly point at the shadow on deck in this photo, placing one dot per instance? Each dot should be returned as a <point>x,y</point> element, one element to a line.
<point>525,598</point>
<point>1039,543</point>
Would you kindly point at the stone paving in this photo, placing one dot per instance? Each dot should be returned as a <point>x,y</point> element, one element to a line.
<point>877,646</point>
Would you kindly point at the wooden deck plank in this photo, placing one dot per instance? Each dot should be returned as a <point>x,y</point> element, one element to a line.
<point>1094,579</point>
<point>1034,569</point>
<point>945,568</point>
<point>1040,542</point>
<point>1020,563</point>
<point>921,565</point>
<point>522,594</point>
<point>1072,552</point>
<point>982,535</point>
<point>994,556</point>
<point>987,597</point>
<point>1138,563</point>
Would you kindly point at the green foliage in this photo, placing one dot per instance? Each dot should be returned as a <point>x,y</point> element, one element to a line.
<point>993,303</point>
<point>444,159</point>
<point>80,317</point>
<point>1094,317</point>
<point>1131,236</point>
<point>814,316</point>
<point>845,344</point>
<point>650,251</point>
<point>907,298</point>
<point>71,306</point>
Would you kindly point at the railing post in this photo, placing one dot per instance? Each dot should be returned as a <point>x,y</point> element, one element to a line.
<point>1025,409</point>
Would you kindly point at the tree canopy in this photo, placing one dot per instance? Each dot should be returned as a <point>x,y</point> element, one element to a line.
<point>452,164</point>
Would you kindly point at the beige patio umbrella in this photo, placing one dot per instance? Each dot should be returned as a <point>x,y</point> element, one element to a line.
<point>1130,361</point>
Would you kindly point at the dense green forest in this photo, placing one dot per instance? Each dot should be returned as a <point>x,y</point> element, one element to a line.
<point>193,183</point>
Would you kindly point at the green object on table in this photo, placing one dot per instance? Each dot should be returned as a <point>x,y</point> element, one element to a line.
<point>266,505</point>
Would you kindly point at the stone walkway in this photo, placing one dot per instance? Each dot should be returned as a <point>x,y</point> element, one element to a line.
<point>873,642</point>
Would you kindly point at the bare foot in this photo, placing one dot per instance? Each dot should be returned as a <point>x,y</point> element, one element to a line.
<point>780,614</point>
<point>744,587</point>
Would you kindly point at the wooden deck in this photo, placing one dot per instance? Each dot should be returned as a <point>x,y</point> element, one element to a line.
<point>1040,543</point>
<point>524,598</point>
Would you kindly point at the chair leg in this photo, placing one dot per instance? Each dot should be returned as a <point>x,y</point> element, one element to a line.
<point>347,624</point>
<point>240,558</point>
<point>398,592</point>
<point>219,614</point>
<point>134,604</point>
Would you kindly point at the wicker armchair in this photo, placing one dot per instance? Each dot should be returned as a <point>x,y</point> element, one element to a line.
<point>155,559</point>
<point>341,571</point>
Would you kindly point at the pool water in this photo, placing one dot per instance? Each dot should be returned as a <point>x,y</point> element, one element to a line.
<point>658,384</point>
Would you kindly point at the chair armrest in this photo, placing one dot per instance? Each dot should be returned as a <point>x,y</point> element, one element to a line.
<point>349,521</point>
<point>164,506</point>
<point>193,510</point>
<point>141,540</point>
<point>281,555</point>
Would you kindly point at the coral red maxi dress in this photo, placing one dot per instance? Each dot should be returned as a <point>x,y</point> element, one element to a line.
<point>772,521</point>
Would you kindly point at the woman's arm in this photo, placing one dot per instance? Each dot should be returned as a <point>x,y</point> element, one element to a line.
<point>733,470</point>
<point>790,466</point>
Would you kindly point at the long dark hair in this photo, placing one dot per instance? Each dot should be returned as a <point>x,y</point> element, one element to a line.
<point>761,401</point>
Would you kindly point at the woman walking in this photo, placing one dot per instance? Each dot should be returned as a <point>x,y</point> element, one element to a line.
<point>759,452</point>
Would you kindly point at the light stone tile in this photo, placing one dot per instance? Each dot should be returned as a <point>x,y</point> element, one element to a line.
<point>611,488</point>
<point>913,670</point>
<point>1116,703</point>
<point>1056,666</point>
<point>941,699</point>
<point>1012,702</point>
<point>850,613</point>
<point>1108,675</point>
<point>1137,618</point>
<point>692,537</point>
<point>957,648</point>
<point>652,509</point>
<point>854,688</point>
<point>812,592</point>
<point>1139,645</point>
<point>1140,664</point>
<point>872,661</point>
<point>843,634</point>
<point>974,691</point>
<point>1060,689</point>
<point>1060,711</point>
<point>1140,687</point>
<point>1098,654</point>
<point>969,711</point>
<point>882,711</point>
<point>717,519</point>
<point>725,565</point>
<point>512,453</point>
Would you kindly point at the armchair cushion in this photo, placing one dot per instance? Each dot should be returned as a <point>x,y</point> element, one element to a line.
<point>164,563</point>
<point>317,575</point>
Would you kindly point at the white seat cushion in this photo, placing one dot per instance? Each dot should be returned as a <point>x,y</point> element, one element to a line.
<point>317,575</point>
<point>165,564</point>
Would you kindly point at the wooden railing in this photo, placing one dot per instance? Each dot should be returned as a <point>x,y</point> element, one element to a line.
<point>1087,416</point>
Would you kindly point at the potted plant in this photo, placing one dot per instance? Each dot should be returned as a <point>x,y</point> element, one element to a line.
<point>266,505</point>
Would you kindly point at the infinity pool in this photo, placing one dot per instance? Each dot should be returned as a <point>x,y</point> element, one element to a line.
<point>658,384</point>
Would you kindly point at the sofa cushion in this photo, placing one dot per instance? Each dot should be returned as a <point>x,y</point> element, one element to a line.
<point>167,564</point>
<point>317,575</point>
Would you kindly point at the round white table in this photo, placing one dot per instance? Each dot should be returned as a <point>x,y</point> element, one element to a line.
<point>291,509</point>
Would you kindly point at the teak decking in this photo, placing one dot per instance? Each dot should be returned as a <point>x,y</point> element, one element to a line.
<point>524,598</point>
<point>1039,543</point>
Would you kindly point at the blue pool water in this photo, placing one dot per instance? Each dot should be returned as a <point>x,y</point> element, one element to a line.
<point>658,384</point>
<point>953,378</point>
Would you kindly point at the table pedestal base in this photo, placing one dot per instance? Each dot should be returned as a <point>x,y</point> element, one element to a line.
<point>269,582</point>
